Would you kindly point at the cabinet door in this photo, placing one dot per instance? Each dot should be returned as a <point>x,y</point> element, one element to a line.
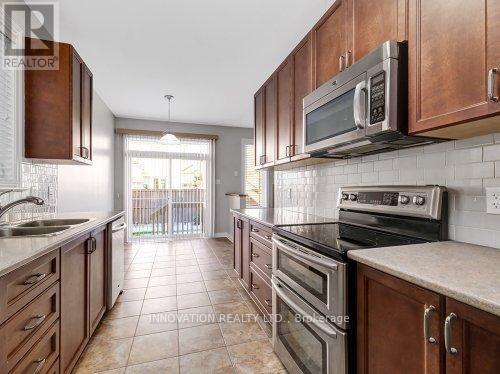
<point>303,84</point>
<point>270,110</point>
<point>237,244</point>
<point>245,252</point>
<point>452,46</point>
<point>259,127</point>
<point>76,92</point>
<point>74,301</point>
<point>87,113</point>
<point>475,335</point>
<point>390,325</point>
<point>373,25</point>
<point>330,39</point>
<point>98,263</point>
<point>283,129</point>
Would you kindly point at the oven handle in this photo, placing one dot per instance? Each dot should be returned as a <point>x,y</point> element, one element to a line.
<point>298,253</point>
<point>360,105</point>
<point>320,325</point>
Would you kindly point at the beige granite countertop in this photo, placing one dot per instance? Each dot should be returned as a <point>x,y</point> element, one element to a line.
<point>280,217</point>
<point>465,272</point>
<point>15,252</point>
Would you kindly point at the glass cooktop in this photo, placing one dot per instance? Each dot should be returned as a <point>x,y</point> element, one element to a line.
<point>337,238</point>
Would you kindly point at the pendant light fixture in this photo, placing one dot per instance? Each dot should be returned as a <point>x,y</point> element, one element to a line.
<point>169,137</point>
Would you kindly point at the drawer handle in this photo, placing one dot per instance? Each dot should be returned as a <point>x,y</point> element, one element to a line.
<point>269,266</point>
<point>268,237</point>
<point>39,320</point>
<point>254,286</point>
<point>39,367</point>
<point>268,302</point>
<point>255,230</point>
<point>34,279</point>
<point>256,255</point>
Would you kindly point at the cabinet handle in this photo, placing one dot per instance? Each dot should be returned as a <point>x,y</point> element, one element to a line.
<point>238,224</point>
<point>255,255</point>
<point>255,230</point>
<point>341,63</point>
<point>87,152</point>
<point>34,279</point>
<point>491,84</point>
<point>269,266</point>
<point>268,302</point>
<point>39,320</point>
<point>94,246</point>
<point>347,59</point>
<point>254,286</point>
<point>447,334</point>
<point>286,151</point>
<point>269,237</point>
<point>39,367</point>
<point>427,316</point>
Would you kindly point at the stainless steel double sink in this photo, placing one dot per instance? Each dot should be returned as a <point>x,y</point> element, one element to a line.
<point>43,227</point>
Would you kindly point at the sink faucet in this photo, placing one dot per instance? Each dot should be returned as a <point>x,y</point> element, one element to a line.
<point>30,199</point>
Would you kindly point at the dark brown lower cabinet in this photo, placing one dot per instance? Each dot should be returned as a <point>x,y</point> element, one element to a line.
<point>75,330</point>
<point>97,279</point>
<point>475,335</point>
<point>237,241</point>
<point>403,328</point>
<point>241,248</point>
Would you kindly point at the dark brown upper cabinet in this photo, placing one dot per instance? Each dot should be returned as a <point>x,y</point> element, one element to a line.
<point>259,130</point>
<point>331,52</point>
<point>302,85</point>
<point>284,124</point>
<point>270,118</point>
<point>453,47</point>
<point>58,110</point>
<point>371,25</point>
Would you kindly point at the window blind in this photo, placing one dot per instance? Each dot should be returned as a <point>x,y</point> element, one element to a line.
<point>8,126</point>
<point>252,177</point>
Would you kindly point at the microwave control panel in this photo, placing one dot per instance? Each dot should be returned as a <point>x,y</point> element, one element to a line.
<point>377,98</point>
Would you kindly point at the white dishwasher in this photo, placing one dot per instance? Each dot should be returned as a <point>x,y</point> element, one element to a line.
<point>116,261</point>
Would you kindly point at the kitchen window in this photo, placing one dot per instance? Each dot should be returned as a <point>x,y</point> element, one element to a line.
<point>252,179</point>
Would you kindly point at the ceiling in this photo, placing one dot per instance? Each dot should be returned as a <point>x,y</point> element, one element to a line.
<point>211,54</point>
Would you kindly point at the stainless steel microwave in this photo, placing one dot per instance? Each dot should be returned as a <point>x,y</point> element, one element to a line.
<point>363,109</point>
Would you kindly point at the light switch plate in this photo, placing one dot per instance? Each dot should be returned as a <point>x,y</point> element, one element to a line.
<point>493,200</point>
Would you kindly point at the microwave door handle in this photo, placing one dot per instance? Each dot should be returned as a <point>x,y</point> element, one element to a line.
<point>319,324</point>
<point>359,105</point>
<point>297,253</point>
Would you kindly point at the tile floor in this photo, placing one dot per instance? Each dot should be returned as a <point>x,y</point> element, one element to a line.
<point>182,311</point>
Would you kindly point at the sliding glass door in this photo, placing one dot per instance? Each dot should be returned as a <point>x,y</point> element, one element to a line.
<point>169,188</point>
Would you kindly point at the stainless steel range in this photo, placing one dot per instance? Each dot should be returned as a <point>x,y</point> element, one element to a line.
<point>314,301</point>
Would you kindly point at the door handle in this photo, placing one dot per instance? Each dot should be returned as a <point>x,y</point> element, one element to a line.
<point>427,315</point>
<point>34,279</point>
<point>341,63</point>
<point>448,335</point>
<point>491,84</point>
<point>359,105</point>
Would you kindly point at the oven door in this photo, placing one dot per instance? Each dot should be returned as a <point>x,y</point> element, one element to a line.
<point>303,340</point>
<point>338,117</point>
<point>318,279</point>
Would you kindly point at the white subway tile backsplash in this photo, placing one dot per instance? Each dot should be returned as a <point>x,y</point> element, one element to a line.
<point>473,171</point>
<point>492,152</point>
<point>465,167</point>
<point>464,156</point>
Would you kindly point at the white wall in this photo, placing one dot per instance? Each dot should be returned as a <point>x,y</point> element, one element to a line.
<point>227,160</point>
<point>85,188</point>
<point>465,167</point>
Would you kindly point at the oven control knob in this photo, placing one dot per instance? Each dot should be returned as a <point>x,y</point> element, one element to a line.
<point>353,197</point>
<point>403,199</point>
<point>418,200</point>
<point>345,196</point>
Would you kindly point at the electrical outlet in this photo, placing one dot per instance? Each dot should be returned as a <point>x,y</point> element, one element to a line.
<point>493,200</point>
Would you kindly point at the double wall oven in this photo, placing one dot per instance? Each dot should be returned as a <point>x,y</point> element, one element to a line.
<point>313,281</point>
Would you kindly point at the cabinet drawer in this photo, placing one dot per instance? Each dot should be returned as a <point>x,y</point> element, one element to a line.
<point>260,256</point>
<point>43,354</point>
<point>18,334</point>
<point>261,233</point>
<point>22,285</point>
<point>261,291</point>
